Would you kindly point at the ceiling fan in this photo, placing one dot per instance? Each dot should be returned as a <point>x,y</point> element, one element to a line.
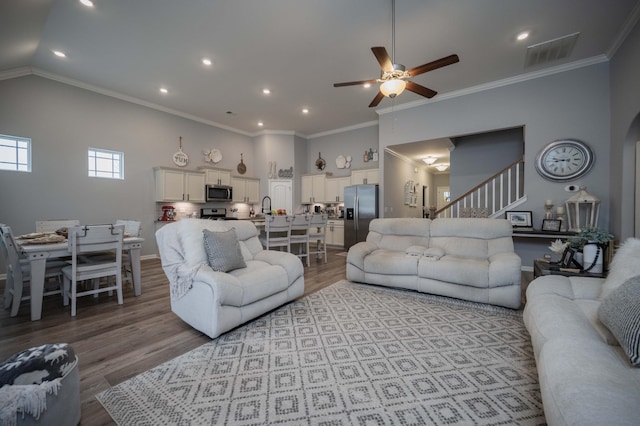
<point>394,78</point>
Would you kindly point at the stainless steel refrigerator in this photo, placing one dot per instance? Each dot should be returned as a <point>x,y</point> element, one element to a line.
<point>360,206</point>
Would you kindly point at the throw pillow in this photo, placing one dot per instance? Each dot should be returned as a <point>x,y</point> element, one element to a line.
<point>625,264</point>
<point>620,312</point>
<point>223,250</point>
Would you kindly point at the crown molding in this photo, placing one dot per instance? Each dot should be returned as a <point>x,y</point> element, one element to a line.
<point>626,29</point>
<point>499,83</point>
<point>343,129</point>
<point>15,73</point>
<point>76,83</point>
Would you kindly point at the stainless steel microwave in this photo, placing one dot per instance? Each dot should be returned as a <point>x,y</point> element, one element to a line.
<point>219,193</point>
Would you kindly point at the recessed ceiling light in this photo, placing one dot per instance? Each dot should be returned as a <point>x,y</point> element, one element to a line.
<point>522,36</point>
<point>266,91</point>
<point>305,110</point>
<point>207,61</point>
<point>59,54</point>
<point>164,90</point>
<point>366,85</point>
<point>87,3</point>
<point>260,123</point>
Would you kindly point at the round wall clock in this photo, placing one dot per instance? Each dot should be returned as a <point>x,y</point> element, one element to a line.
<point>564,160</point>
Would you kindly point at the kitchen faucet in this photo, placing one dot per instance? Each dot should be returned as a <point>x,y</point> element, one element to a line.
<point>268,211</point>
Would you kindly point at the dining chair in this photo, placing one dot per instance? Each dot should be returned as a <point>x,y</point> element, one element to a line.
<point>84,240</point>
<point>318,234</point>
<point>19,273</point>
<point>132,228</point>
<point>300,235</point>
<point>277,230</point>
<point>54,225</point>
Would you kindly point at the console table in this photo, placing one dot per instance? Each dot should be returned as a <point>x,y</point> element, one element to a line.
<point>541,268</point>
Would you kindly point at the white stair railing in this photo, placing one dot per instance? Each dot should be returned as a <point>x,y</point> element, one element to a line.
<point>491,198</point>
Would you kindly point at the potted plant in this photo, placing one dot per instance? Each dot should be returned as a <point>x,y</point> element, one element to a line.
<point>591,241</point>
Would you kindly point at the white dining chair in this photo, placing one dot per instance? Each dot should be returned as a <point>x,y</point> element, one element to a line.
<point>276,232</point>
<point>299,234</point>
<point>54,225</point>
<point>84,240</point>
<point>318,234</point>
<point>19,273</point>
<point>132,228</point>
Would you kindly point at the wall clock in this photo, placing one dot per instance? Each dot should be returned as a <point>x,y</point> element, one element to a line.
<point>564,160</point>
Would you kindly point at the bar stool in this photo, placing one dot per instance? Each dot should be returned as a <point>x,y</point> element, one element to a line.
<point>300,235</point>
<point>318,233</point>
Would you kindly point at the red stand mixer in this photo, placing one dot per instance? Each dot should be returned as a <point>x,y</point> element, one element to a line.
<point>168,214</point>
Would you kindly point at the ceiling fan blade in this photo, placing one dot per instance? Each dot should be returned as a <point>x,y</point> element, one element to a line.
<point>383,58</point>
<point>354,83</point>
<point>421,90</point>
<point>442,62</point>
<point>376,100</point>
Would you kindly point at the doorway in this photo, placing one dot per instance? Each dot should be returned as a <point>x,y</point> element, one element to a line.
<point>443,196</point>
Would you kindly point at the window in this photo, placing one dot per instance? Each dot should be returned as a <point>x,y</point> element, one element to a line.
<point>15,153</point>
<point>106,164</point>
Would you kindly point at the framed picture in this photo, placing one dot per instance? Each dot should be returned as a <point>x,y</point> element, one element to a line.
<point>568,260</point>
<point>519,219</point>
<point>552,225</point>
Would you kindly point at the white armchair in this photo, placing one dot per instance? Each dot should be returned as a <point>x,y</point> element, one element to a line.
<point>214,302</point>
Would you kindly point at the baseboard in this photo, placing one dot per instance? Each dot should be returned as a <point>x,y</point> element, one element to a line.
<point>526,268</point>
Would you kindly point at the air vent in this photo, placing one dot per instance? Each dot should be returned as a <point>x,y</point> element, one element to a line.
<point>551,50</point>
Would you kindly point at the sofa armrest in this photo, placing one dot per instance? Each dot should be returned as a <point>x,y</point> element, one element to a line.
<point>225,287</point>
<point>358,252</point>
<point>289,262</point>
<point>504,269</point>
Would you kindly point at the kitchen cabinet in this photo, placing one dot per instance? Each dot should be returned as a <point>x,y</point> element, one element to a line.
<point>335,232</point>
<point>179,185</point>
<point>313,189</point>
<point>216,176</point>
<point>334,189</point>
<point>365,176</point>
<point>245,190</point>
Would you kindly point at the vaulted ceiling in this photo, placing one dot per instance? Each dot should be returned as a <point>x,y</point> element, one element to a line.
<point>295,48</point>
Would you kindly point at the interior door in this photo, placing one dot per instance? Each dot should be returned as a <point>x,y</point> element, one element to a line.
<point>281,193</point>
<point>444,196</point>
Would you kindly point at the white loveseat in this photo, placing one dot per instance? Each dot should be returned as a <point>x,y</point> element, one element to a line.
<point>586,377</point>
<point>471,259</point>
<point>214,302</point>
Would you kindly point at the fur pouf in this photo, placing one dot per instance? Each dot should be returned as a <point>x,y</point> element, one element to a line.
<point>625,265</point>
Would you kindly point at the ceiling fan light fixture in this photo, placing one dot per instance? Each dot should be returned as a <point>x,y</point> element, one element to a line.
<point>429,160</point>
<point>392,88</point>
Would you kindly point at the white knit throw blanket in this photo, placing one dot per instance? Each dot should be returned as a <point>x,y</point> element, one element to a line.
<point>182,279</point>
<point>29,399</point>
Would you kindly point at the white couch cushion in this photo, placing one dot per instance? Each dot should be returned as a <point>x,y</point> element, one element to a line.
<point>390,262</point>
<point>458,270</point>
<point>399,234</point>
<point>191,240</point>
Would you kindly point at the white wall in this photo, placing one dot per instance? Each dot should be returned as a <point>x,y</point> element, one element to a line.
<point>63,121</point>
<point>572,104</point>
<point>625,131</point>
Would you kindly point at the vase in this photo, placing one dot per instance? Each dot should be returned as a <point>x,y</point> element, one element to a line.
<point>592,255</point>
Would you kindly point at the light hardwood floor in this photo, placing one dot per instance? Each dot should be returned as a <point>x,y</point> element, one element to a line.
<point>115,342</point>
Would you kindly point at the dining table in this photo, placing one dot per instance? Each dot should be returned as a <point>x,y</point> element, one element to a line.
<point>38,254</point>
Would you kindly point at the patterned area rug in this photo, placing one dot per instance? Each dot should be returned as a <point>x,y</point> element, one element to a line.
<point>349,354</point>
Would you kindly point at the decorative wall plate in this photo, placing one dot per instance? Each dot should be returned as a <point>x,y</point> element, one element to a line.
<point>213,156</point>
<point>180,159</point>
<point>341,162</point>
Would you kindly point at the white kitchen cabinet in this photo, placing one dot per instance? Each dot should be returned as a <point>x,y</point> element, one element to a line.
<point>365,176</point>
<point>179,185</point>
<point>245,190</point>
<point>313,189</point>
<point>334,189</point>
<point>216,176</point>
<point>335,232</point>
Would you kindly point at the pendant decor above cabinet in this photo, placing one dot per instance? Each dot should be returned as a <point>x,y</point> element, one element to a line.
<point>242,169</point>
<point>180,159</point>
<point>212,155</point>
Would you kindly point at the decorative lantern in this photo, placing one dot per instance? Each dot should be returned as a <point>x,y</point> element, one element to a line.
<point>582,210</point>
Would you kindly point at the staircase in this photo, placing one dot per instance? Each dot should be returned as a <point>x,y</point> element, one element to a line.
<point>500,193</point>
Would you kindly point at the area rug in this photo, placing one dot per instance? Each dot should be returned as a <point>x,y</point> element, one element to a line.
<point>349,354</point>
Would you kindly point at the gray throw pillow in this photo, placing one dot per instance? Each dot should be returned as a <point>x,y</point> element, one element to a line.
<point>620,312</point>
<point>223,250</point>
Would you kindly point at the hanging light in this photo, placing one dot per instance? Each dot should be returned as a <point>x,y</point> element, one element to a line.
<point>429,160</point>
<point>441,167</point>
<point>392,88</point>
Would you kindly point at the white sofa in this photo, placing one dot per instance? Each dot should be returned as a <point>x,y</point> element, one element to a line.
<point>586,377</point>
<point>214,302</point>
<point>471,259</point>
